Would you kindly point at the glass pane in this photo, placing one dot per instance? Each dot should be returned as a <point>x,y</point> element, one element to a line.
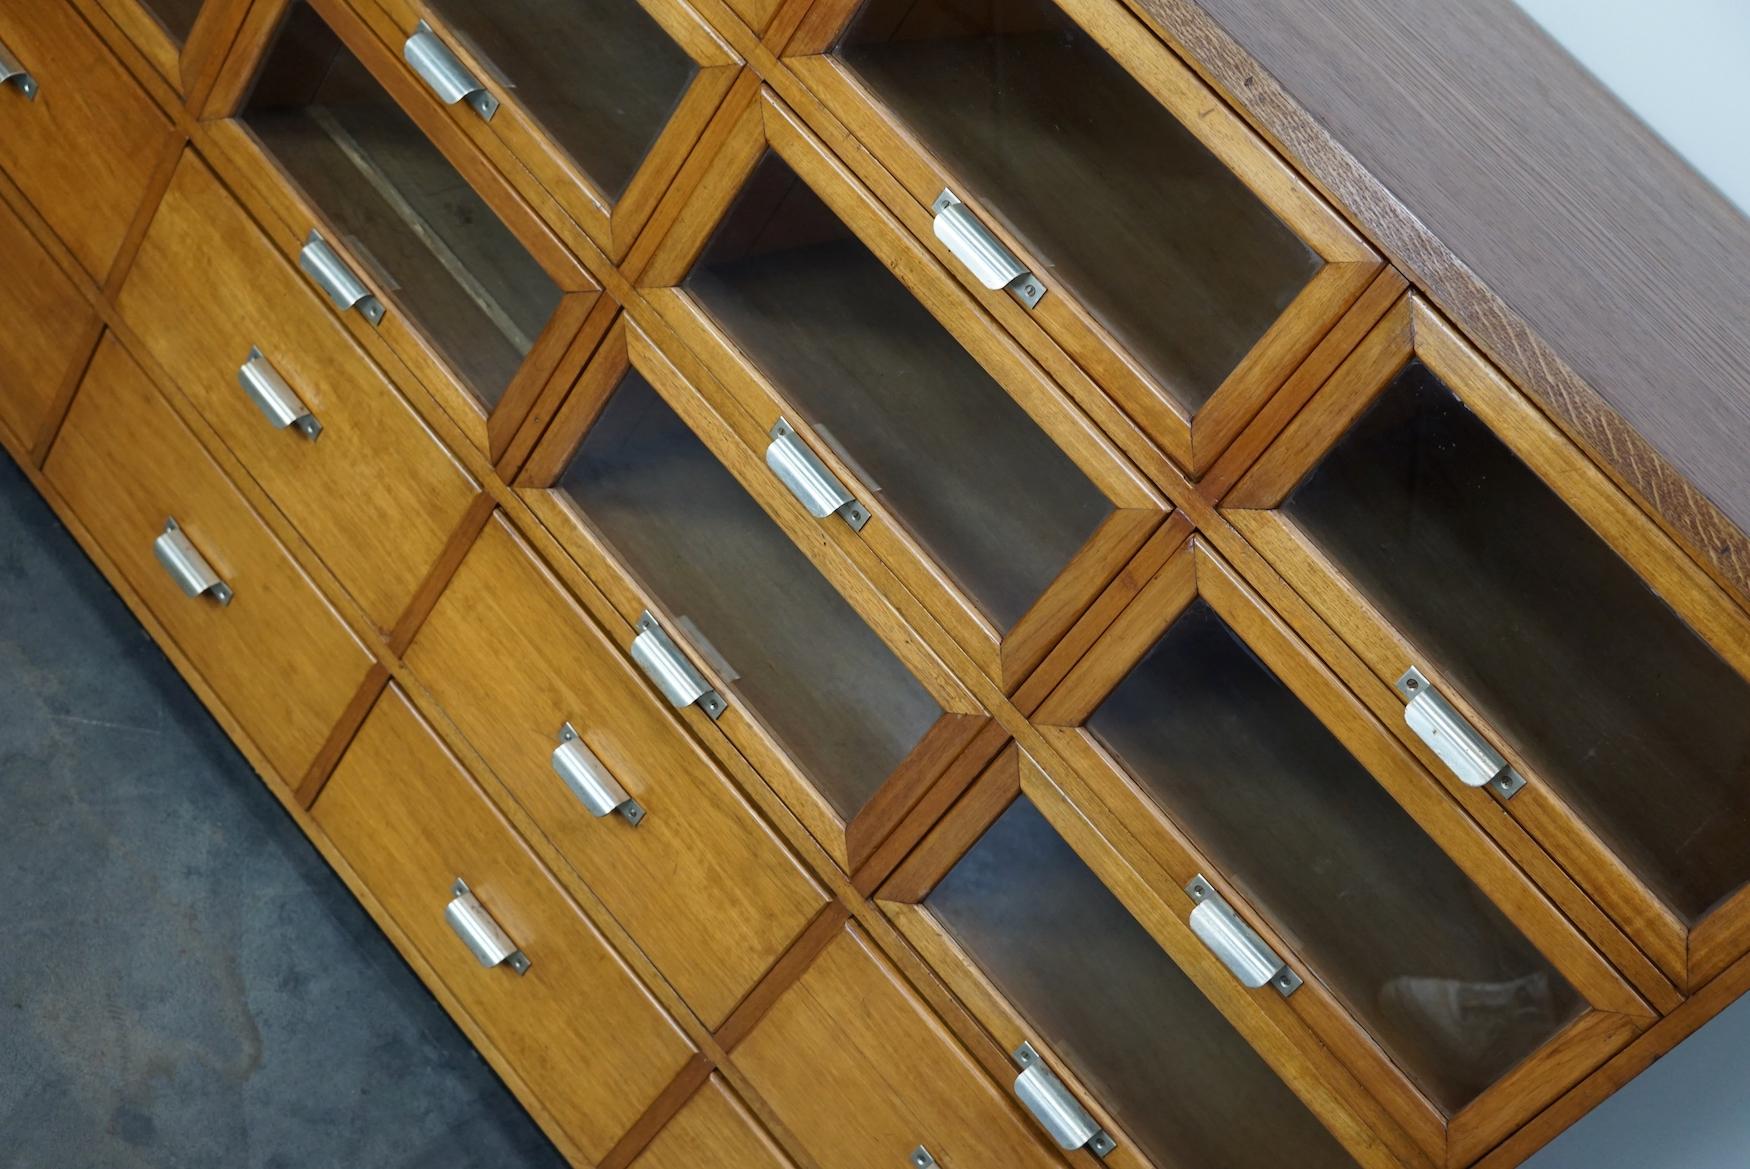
<point>1132,215</point>
<point>995,502</point>
<point>433,243</point>
<point>177,16</point>
<point>600,76</point>
<point>1097,987</point>
<point>792,649</point>
<point>1385,918</point>
<point>1545,629</point>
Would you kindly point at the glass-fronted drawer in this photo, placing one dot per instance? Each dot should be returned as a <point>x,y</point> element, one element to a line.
<point>1380,912</point>
<point>1531,628</point>
<point>1075,173</point>
<point>973,477</point>
<point>596,102</point>
<point>414,239</point>
<point>1115,1024</point>
<point>823,689</point>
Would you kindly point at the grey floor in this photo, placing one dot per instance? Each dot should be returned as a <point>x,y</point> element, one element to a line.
<point>183,982</point>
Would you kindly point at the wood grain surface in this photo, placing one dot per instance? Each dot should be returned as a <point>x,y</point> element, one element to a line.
<point>278,654</point>
<point>1607,277</point>
<point>578,1024</point>
<point>83,150</point>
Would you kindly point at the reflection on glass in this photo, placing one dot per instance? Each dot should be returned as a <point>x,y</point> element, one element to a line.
<point>1093,983</point>
<point>789,646</point>
<point>1378,912</point>
<point>1128,212</point>
<point>995,502</point>
<point>1548,632</point>
<point>430,241</point>
<point>177,16</point>
<point>600,76</point>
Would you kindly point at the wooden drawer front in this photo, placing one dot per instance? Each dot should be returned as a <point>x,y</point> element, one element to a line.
<point>83,150</point>
<point>46,323</point>
<point>279,657</point>
<point>375,492</point>
<point>577,1028</point>
<point>714,1129</point>
<point>859,1070</point>
<point>702,883</point>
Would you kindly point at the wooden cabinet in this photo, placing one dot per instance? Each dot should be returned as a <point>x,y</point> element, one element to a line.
<point>416,242</point>
<point>563,1010</point>
<point>1444,526</point>
<point>810,675</point>
<point>600,101</point>
<point>52,327</point>
<point>975,480</point>
<point>856,1066</point>
<point>1075,172</point>
<point>272,649</point>
<point>877,582</point>
<point>82,138</point>
<point>691,870</point>
<point>290,393</point>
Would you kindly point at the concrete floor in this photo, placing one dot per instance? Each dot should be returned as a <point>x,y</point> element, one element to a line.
<point>183,982</point>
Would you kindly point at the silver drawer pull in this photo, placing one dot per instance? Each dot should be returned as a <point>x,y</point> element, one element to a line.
<point>273,397</point>
<point>984,255</point>
<point>16,75</point>
<point>1237,944</point>
<point>344,288</point>
<point>480,933</point>
<point>590,780</point>
<point>186,566</point>
<point>920,1159</point>
<point>1454,740</point>
<point>440,69</point>
<point>671,671</point>
<point>808,479</point>
<point>1057,1112</point>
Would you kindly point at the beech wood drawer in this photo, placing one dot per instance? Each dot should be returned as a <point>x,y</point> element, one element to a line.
<point>861,1073</point>
<point>277,655</point>
<point>701,882</point>
<point>47,322</point>
<point>374,491</point>
<point>83,144</point>
<point>576,1025</point>
<point>713,1129</point>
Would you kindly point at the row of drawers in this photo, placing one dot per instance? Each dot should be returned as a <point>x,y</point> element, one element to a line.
<point>703,886</point>
<point>710,895</point>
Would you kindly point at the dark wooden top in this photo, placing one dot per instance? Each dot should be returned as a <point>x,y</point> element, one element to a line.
<point>1583,255</point>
